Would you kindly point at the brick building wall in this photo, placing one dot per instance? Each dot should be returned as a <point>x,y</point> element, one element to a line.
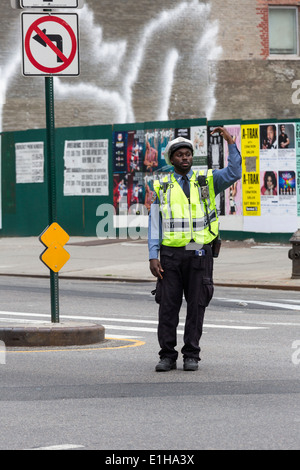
<point>262,12</point>
<point>252,83</point>
<point>238,23</point>
<point>143,61</point>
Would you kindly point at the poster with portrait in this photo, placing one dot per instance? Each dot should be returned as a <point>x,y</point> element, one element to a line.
<point>278,169</point>
<point>135,154</point>
<point>120,189</point>
<point>136,193</point>
<point>287,168</point>
<point>269,169</point>
<point>268,146</point>
<point>286,144</point>
<point>156,141</point>
<point>269,192</point>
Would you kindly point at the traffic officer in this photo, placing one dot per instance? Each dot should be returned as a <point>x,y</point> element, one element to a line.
<point>183,228</point>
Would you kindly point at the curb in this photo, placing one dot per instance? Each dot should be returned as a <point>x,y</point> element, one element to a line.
<point>51,334</point>
<point>259,286</point>
<point>82,278</point>
<point>247,285</point>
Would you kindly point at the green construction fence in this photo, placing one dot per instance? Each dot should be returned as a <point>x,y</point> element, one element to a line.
<point>25,206</point>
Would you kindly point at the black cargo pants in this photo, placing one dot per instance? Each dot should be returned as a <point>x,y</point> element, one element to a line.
<point>189,274</point>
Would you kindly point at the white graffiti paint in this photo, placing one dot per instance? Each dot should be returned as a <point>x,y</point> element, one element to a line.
<point>115,65</point>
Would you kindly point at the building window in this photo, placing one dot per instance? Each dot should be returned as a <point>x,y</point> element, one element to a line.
<point>283,30</point>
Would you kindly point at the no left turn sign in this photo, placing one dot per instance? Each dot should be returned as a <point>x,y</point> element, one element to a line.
<point>50,44</point>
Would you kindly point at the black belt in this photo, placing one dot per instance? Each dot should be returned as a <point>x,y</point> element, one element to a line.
<point>199,249</point>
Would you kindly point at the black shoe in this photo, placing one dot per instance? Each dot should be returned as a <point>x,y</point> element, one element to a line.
<point>190,364</point>
<point>165,364</point>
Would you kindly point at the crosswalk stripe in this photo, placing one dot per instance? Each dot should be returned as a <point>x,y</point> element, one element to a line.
<point>260,302</point>
<point>123,320</point>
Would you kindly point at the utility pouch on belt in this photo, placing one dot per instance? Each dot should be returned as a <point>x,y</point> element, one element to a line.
<point>157,291</point>
<point>204,191</point>
<point>216,246</point>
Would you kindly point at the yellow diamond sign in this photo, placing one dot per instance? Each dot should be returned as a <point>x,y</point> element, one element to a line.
<point>55,256</point>
<point>54,233</point>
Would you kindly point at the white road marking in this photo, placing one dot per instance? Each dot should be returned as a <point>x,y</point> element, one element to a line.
<point>290,300</point>
<point>23,314</point>
<point>59,447</point>
<point>125,320</point>
<point>280,323</point>
<point>269,246</point>
<point>261,302</point>
<point>232,327</point>
<point>125,337</point>
<point>20,320</point>
<point>134,328</point>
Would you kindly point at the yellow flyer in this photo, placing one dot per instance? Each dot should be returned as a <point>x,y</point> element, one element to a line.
<point>250,169</point>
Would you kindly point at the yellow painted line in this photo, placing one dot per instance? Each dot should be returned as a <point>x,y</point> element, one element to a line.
<point>135,341</point>
<point>135,344</point>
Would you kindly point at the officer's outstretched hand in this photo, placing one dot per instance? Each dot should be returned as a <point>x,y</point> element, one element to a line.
<point>155,268</point>
<point>224,133</point>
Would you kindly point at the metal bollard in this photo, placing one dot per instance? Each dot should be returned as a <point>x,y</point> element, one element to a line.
<point>294,254</point>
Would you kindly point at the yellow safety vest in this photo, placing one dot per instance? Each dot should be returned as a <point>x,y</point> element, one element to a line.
<point>183,221</point>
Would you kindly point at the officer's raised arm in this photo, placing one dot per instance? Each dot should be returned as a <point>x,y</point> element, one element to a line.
<point>225,177</point>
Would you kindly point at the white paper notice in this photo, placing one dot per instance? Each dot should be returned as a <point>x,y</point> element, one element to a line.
<point>86,168</point>
<point>30,162</point>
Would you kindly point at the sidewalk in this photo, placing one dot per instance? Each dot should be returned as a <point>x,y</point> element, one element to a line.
<point>240,263</point>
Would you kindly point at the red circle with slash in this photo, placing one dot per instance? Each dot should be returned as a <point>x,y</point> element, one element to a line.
<point>66,60</point>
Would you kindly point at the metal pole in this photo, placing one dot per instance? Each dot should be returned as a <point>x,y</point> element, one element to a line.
<point>52,208</point>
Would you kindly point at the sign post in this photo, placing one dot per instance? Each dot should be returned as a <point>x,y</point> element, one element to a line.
<point>50,48</point>
<point>52,207</point>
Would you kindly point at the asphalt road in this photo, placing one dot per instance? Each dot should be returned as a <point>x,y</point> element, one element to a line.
<point>109,397</point>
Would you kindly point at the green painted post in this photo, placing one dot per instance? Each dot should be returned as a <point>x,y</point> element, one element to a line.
<point>52,208</point>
